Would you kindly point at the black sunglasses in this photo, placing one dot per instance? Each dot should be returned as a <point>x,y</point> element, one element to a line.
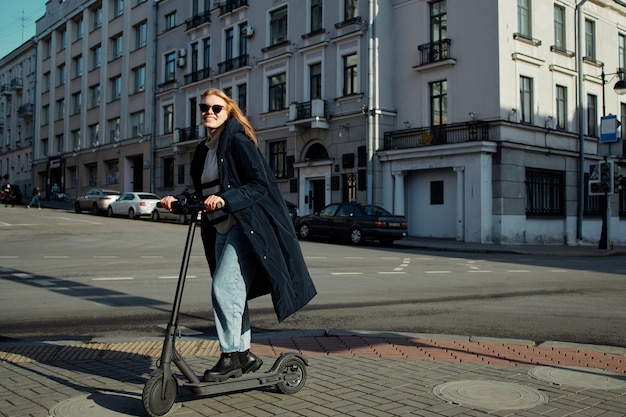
<point>216,108</point>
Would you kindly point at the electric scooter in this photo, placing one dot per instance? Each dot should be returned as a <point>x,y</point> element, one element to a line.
<point>288,373</point>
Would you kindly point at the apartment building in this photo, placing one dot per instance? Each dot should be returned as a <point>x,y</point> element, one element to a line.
<point>17,127</point>
<point>95,106</point>
<point>487,147</point>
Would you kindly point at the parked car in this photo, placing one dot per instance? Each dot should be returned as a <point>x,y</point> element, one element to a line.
<point>354,222</point>
<point>159,213</point>
<point>293,210</point>
<point>96,200</point>
<point>133,204</point>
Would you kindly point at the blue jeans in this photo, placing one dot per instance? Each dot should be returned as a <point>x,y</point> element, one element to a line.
<point>236,263</point>
<point>34,200</point>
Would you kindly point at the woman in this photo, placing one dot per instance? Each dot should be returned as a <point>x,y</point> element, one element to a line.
<point>248,237</point>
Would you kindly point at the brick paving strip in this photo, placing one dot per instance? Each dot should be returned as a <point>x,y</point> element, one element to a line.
<point>460,351</point>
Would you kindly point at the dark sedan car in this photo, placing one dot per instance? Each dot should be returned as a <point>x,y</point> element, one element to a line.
<point>355,222</point>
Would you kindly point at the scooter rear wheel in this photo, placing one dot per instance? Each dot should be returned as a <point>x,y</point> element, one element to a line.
<point>297,366</point>
<point>156,399</point>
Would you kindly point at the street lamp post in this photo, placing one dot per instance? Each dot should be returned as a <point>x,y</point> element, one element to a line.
<point>620,89</point>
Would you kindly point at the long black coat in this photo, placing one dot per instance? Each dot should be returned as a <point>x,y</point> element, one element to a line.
<point>253,197</point>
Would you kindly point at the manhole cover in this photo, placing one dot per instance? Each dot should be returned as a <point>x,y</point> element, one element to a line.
<point>114,404</point>
<point>490,395</point>
<point>580,377</point>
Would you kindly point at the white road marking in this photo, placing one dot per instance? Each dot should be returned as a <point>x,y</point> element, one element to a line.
<point>175,277</point>
<point>437,272</point>
<point>346,273</point>
<point>113,279</point>
<point>55,257</point>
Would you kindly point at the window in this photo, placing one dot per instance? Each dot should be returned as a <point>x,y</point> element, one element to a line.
<point>229,44</point>
<point>523,18</point>
<point>526,99</point>
<point>62,38</point>
<point>436,193</point>
<point>438,103</point>
<point>78,66</point>
<point>92,174</point>
<point>94,96</point>
<point>168,172</point>
<point>114,129</point>
<point>278,26</point>
<point>170,21</point>
<point>113,172</point>
<point>115,84</point>
<point>193,58</point>
<point>44,148</point>
<point>137,123</point>
<point>141,35</point>
<point>94,130</point>
<point>118,7</point>
<point>350,9</point>
<point>561,107</point>
<point>207,53</point>
<point>61,75</point>
<point>242,97</point>
<point>592,115</point>
<point>117,46</point>
<point>96,16</point>
<point>349,187</point>
<point>315,80</point>
<point>59,144</point>
<point>78,29</point>
<point>77,100</point>
<point>590,39</point>
<point>316,15</point>
<point>277,92</point>
<point>96,56</point>
<point>168,119</point>
<point>139,79</point>
<point>75,135</point>
<point>621,53</point>
<point>45,115</point>
<point>170,67</point>
<point>60,109</point>
<point>438,21</point>
<point>350,74</point>
<point>545,192</point>
<point>243,39</point>
<point>559,27</point>
<point>46,82</point>
<point>278,158</point>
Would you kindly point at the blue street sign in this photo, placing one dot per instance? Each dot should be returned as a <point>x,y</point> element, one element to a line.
<point>608,128</point>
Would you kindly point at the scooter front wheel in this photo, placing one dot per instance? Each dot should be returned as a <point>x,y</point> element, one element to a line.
<point>296,366</point>
<point>158,399</point>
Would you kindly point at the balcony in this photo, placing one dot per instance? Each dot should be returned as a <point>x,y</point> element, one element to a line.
<point>199,19</point>
<point>436,135</point>
<point>312,114</point>
<point>230,5</point>
<point>25,110</point>
<point>434,51</point>
<point>198,75</point>
<point>232,64</point>
<point>5,89</point>
<point>17,83</point>
<point>188,133</point>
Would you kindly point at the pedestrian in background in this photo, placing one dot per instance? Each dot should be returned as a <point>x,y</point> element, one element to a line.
<point>35,199</point>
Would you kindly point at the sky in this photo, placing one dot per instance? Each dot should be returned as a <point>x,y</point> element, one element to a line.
<point>17,22</point>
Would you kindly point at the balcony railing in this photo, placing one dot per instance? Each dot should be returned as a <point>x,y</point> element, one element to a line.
<point>25,110</point>
<point>434,51</point>
<point>188,133</point>
<point>233,63</point>
<point>230,5</point>
<point>199,75</point>
<point>309,109</point>
<point>436,135</point>
<point>17,83</point>
<point>5,89</point>
<point>199,19</point>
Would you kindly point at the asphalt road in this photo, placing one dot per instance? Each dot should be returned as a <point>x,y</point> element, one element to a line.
<point>79,276</point>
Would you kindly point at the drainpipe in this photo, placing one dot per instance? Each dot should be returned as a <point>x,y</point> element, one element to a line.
<point>581,123</point>
<point>154,102</point>
<point>372,100</point>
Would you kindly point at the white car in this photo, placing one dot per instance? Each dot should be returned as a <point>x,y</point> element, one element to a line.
<point>134,205</point>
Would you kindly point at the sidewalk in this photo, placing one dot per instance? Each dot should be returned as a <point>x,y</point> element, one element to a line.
<point>349,374</point>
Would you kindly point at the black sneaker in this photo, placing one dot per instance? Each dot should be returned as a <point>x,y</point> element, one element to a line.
<point>227,367</point>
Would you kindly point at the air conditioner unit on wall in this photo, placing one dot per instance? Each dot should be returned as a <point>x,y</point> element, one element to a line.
<point>182,52</point>
<point>247,31</point>
<point>180,62</point>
